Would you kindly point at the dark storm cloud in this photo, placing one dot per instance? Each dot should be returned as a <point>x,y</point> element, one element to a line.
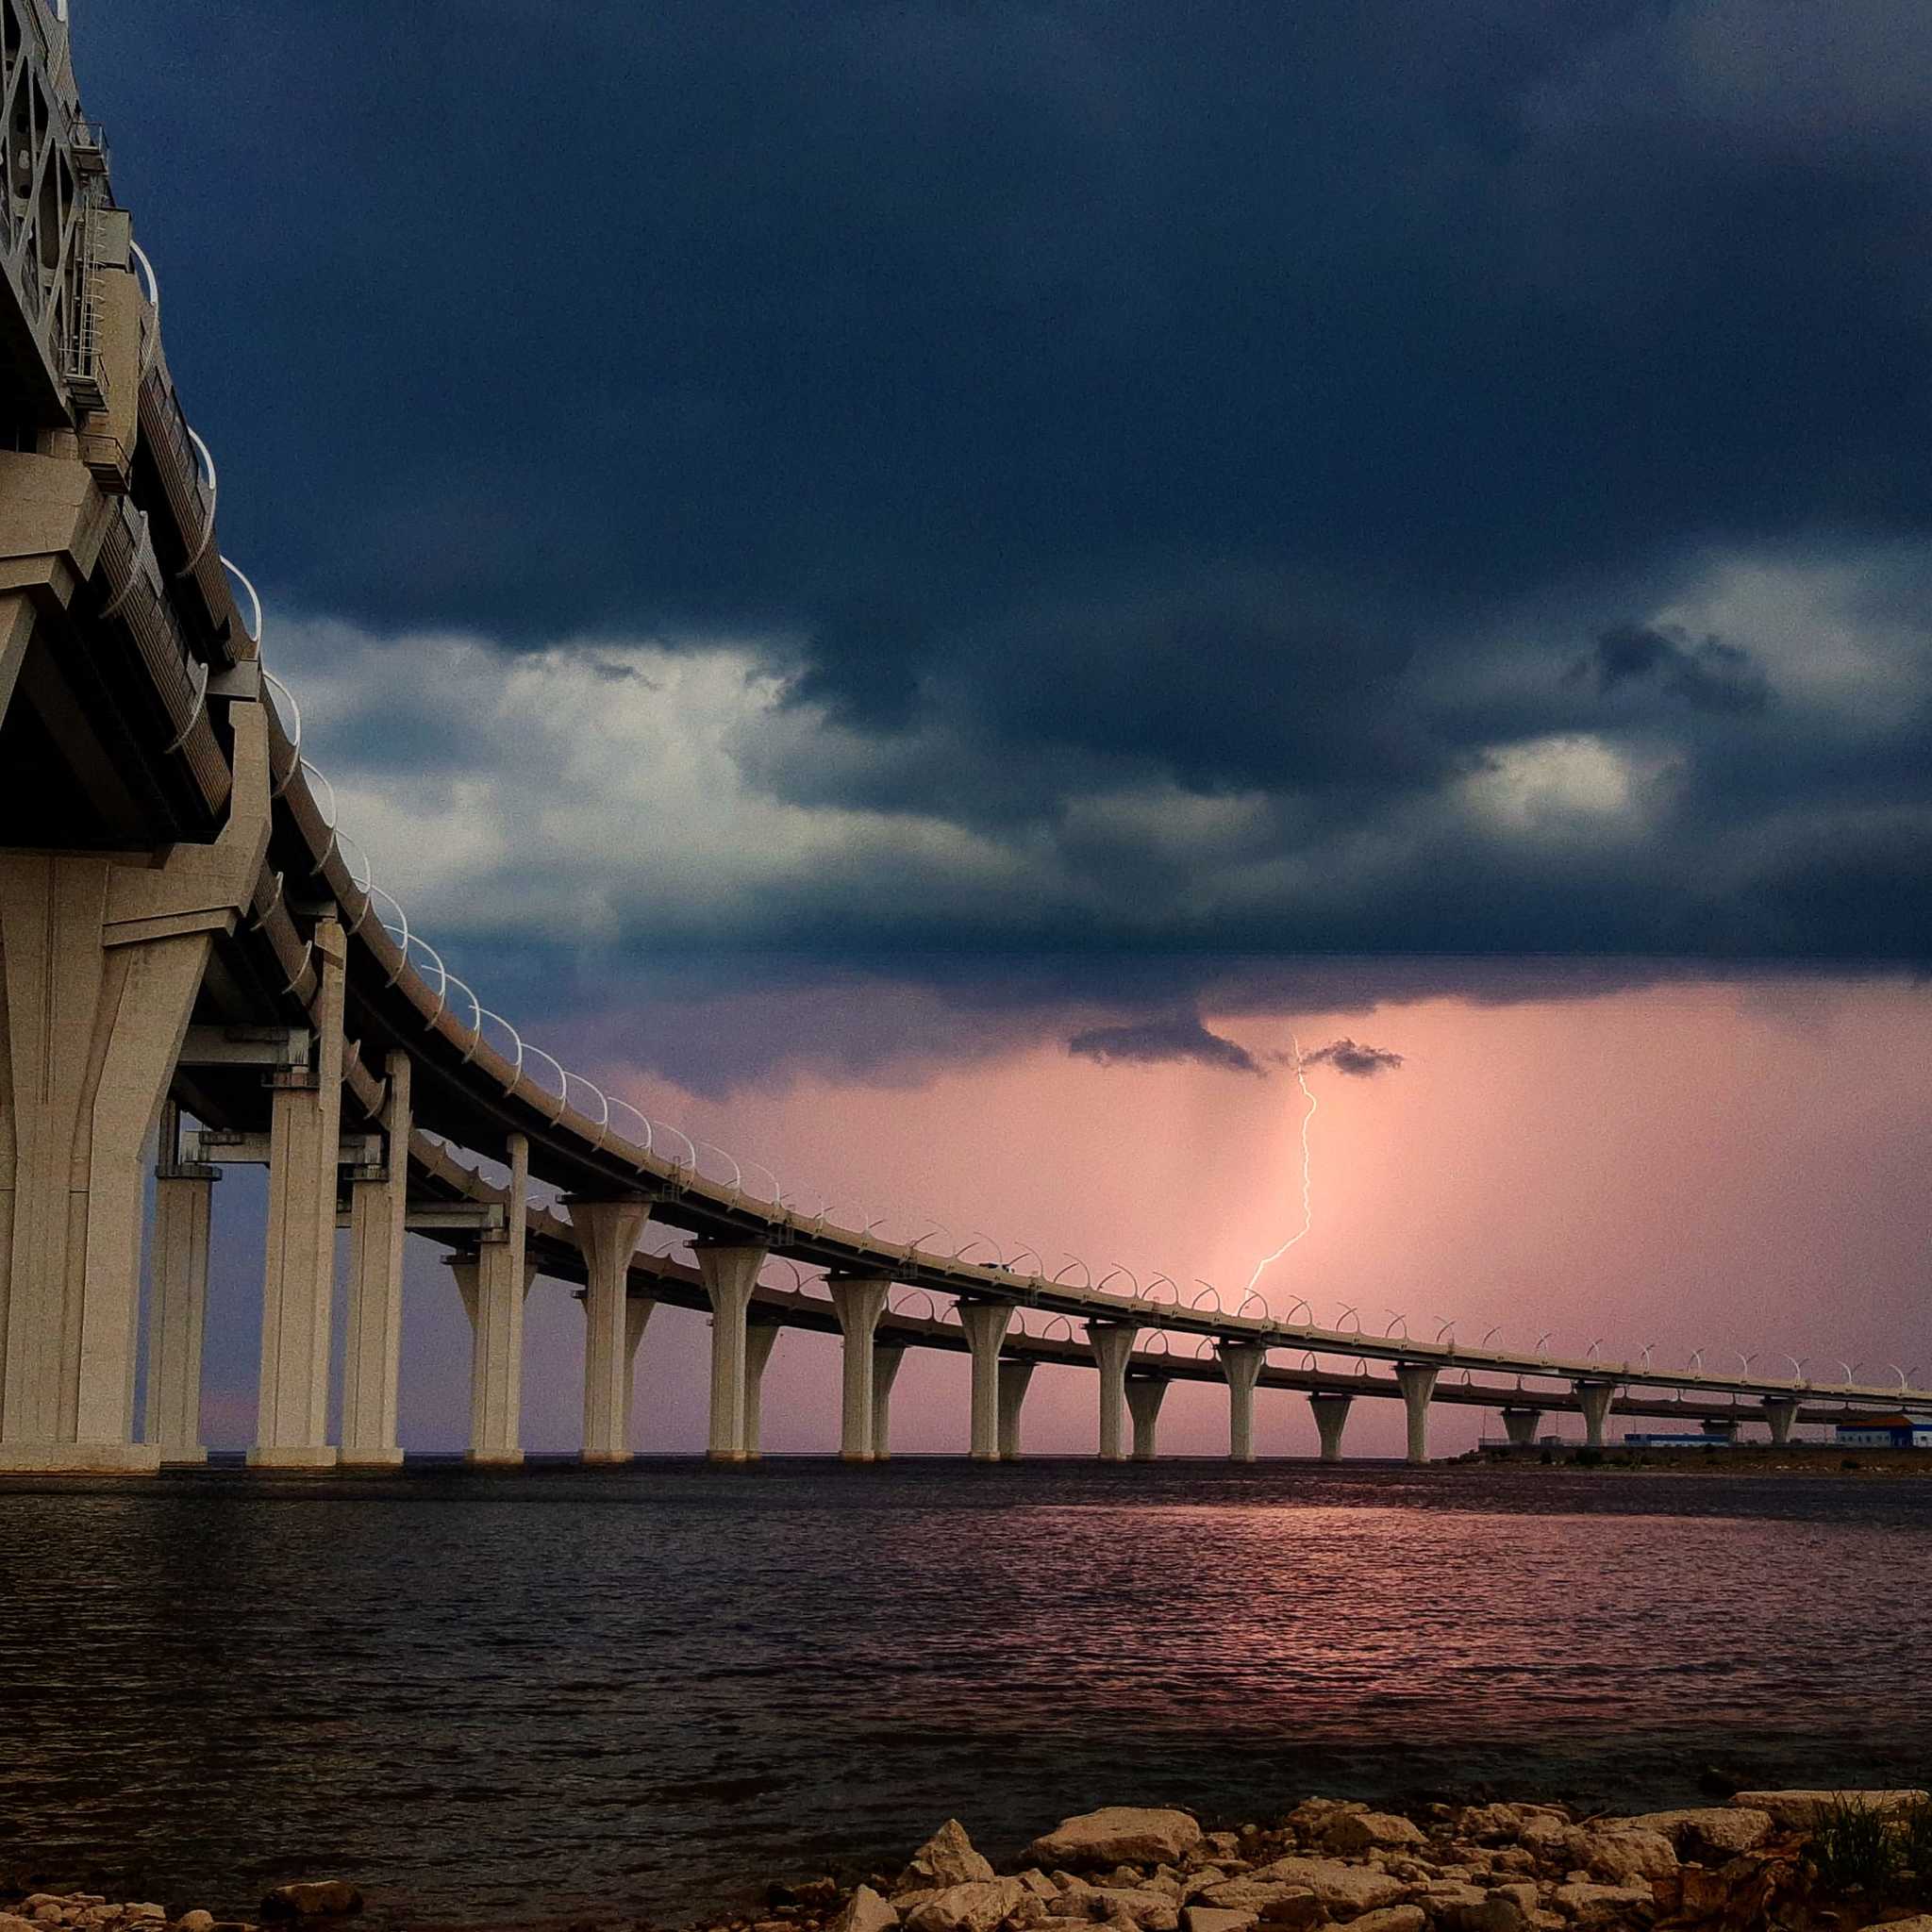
<point>1182,448</point>
<point>1347,1057</point>
<point>1177,1036</point>
<point>1708,674</point>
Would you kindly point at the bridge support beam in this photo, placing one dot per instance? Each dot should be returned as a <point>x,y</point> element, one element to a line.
<point>373,1344</point>
<point>494,1280</point>
<point>730,1274</point>
<point>298,1276</point>
<point>177,1301</point>
<point>1241,1362</point>
<point>607,1234</point>
<point>1015,1378</point>
<point>1418,1381</point>
<point>1521,1424</point>
<point>1780,1412</point>
<point>985,1324</point>
<point>1331,1417</point>
<point>1112,1343</point>
<point>760,1337</point>
<point>100,961</point>
<point>1594,1398</point>
<point>886,1358</point>
<point>1145,1394</point>
<point>859,1301</point>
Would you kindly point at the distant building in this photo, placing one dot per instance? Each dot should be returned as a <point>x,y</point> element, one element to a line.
<point>1678,1438</point>
<point>1887,1432</point>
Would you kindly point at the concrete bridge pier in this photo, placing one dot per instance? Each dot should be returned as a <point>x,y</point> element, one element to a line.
<point>607,1234</point>
<point>1112,1343</point>
<point>494,1279</point>
<point>372,1350</point>
<point>1418,1381</point>
<point>1594,1400</point>
<point>985,1324</point>
<point>1015,1377</point>
<point>298,1277</point>
<point>886,1358</point>
<point>859,1300</point>
<point>760,1337</point>
<point>1780,1412</point>
<point>1331,1416</point>
<point>731,1273</point>
<point>1241,1362</point>
<point>1145,1394</point>
<point>184,1205</point>
<point>1521,1424</point>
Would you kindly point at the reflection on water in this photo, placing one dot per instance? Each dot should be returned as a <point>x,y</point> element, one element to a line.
<point>490,1697</point>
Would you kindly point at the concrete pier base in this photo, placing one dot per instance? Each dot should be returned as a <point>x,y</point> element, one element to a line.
<point>298,1276</point>
<point>985,1324</point>
<point>1112,1343</point>
<point>1520,1426</point>
<point>1595,1399</point>
<point>859,1301</point>
<point>1145,1394</point>
<point>608,1233</point>
<point>1015,1378</point>
<point>730,1274</point>
<point>373,1345</point>
<point>760,1337</point>
<point>1241,1362</point>
<point>1780,1412</point>
<point>177,1304</point>
<point>1331,1417</point>
<point>1418,1381</point>
<point>495,1279</point>
<point>886,1358</point>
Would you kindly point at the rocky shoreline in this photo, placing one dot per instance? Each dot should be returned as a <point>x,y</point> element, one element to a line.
<point>1797,1860</point>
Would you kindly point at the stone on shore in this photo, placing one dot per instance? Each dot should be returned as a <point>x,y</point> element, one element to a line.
<point>977,1907</point>
<point>1218,1919</point>
<point>1795,1810</point>
<point>1368,1831</point>
<point>1708,1833</point>
<point>1922,1924</point>
<point>322,1898</point>
<point>1117,1835</point>
<point>1391,1919</point>
<point>946,1857</point>
<point>9,1922</point>
<point>1605,1905</point>
<point>866,1912</point>
<point>1625,1855</point>
<point>197,1921</point>
<point>1336,1885</point>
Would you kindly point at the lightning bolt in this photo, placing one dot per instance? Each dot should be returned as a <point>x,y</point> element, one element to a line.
<point>1268,1261</point>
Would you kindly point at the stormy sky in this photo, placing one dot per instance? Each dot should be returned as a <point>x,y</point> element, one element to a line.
<point>818,542</point>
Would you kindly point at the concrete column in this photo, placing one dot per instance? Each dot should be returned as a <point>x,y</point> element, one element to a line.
<point>730,1275</point>
<point>1780,1412</point>
<point>760,1337</point>
<point>494,1281</point>
<point>177,1303</point>
<point>1521,1424</point>
<point>373,1345</point>
<point>1418,1381</point>
<point>298,1279</point>
<point>886,1358</point>
<point>1594,1398</point>
<point>608,1233</point>
<point>859,1301</point>
<point>1112,1343</point>
<point>1014,1379</point>
<point>1241,1362</point>
<point>99,967</point>
<point>1145,1394</point>
<point>985,1324</point>
<point>1332,1414</point>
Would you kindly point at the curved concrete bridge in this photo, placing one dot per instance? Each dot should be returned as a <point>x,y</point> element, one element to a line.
<point>184,938</point>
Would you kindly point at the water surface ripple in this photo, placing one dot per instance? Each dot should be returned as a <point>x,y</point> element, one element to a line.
<point>510,1698</point>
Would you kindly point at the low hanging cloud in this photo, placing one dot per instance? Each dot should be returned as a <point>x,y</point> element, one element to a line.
<point>1709,675</point>
<point>1177,1036</point>
<point>1351,1058</point>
